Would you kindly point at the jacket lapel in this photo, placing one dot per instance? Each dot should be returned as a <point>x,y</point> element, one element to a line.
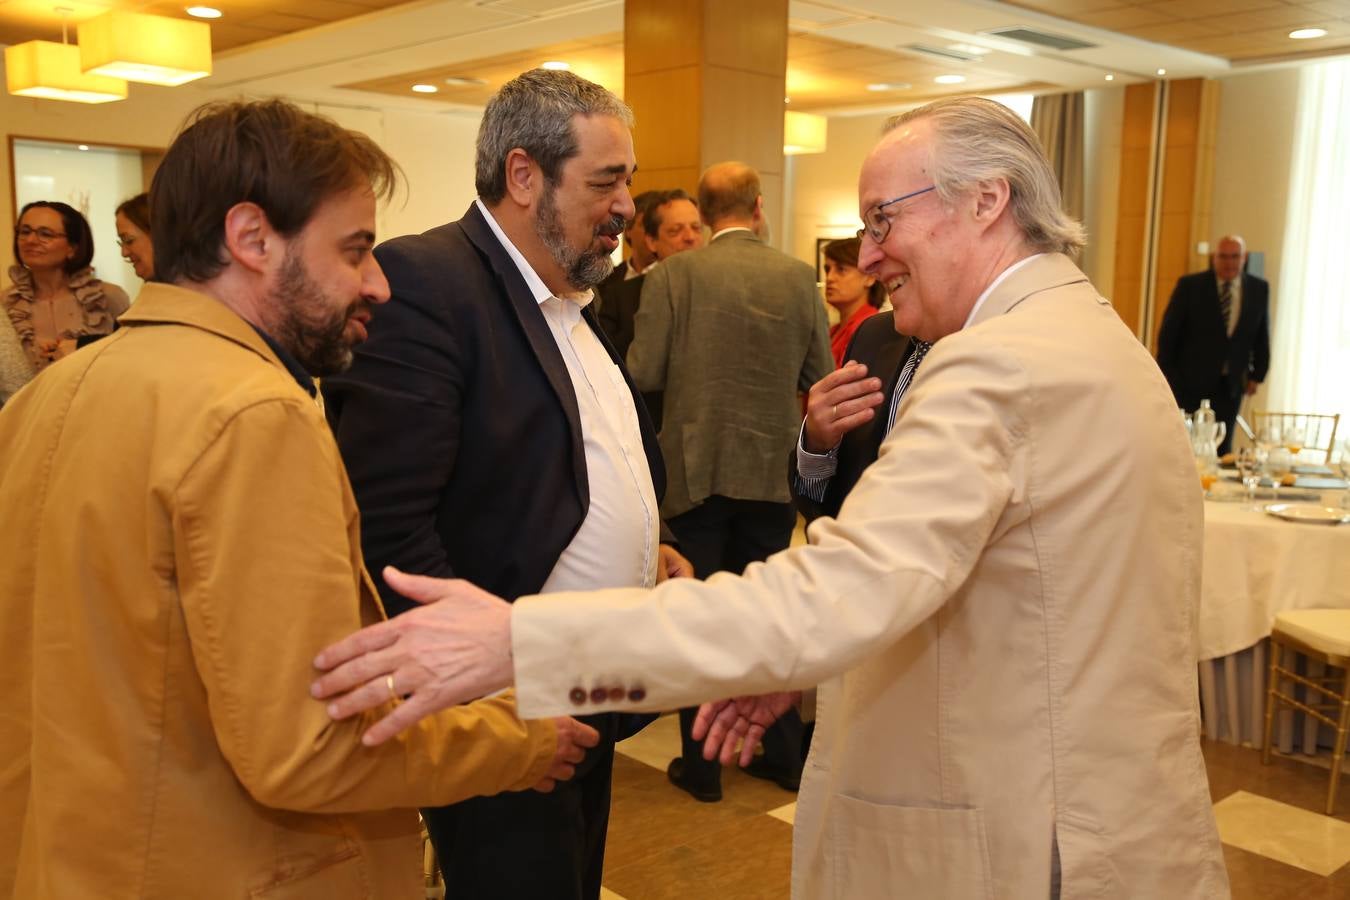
<point>1049,271</point>
<point>531,318</point>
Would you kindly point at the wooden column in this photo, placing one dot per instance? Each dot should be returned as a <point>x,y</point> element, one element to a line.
<point>706,80</point>
<point>1133,209</point>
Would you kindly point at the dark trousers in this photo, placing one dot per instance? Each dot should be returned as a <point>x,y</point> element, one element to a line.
<point>726,535</point>
<point>1226,404</point>
<point>527,845</point>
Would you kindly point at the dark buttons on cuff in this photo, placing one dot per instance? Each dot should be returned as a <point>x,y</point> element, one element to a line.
<point>598,695</point>
<point>615,694</point>
<point>637,694</point>
<point>577,696</point>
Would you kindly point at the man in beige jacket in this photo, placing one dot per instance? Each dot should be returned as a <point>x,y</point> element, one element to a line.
<point>181,538</point>
<point>1003,613</point>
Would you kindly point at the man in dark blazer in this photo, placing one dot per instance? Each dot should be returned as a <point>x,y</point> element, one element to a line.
<point>1215,338</point>
<point>491,433</point>
<point>670,225</point>
<point>882,352</point>
<point>731,332</point>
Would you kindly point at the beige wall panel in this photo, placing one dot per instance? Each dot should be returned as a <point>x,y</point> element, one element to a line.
<point>666,179</point>
<point>743,118</point>
<point>1104,110</point>
<point>746,34</point>
<point>1136,138</point>
<point>661,34</point>
<point>669,115</point>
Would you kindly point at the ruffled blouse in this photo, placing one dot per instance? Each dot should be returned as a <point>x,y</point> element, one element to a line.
<point>97,306</point>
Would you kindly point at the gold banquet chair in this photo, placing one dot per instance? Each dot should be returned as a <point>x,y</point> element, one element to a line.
<point>1317,430</point>
<point>1322,635</point>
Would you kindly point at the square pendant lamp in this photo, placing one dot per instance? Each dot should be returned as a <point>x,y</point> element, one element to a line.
<point>52,71</point>
<point>145,48</point>
<point>803,133</point>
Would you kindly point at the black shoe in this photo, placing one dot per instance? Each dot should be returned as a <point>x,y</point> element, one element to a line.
<point>759,768</point>
<point>675,772</point>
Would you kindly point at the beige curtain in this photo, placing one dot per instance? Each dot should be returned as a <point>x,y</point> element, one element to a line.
<point>1057,120</point>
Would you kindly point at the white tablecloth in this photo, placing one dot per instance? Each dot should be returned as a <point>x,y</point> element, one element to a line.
<point>1257,565</point>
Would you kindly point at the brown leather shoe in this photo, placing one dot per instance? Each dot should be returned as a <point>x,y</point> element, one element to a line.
<point>701,793</point>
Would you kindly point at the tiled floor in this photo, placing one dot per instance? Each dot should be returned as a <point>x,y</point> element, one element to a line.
<point>664,844</point>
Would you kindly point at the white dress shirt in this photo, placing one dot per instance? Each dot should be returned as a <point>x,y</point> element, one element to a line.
<point>616,545</point>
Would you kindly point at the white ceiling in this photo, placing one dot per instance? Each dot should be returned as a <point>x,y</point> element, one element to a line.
<point>428,33</point>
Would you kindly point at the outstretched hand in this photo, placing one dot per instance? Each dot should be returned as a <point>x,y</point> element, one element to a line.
<point>455,648</point>
<point>724,724</point>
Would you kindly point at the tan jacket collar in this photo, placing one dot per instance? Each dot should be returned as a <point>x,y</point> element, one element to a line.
<point>160,304</point>
<point>1049,271</point>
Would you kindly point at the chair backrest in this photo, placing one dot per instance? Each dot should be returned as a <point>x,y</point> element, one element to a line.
<point>1314,431</point>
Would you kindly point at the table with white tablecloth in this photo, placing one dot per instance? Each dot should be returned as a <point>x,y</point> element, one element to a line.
<point>1255,566</point>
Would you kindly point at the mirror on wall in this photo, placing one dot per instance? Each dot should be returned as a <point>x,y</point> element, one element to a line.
<point>94,179</point>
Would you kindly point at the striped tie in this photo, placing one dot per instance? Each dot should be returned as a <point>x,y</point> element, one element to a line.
<point>1226,305</point>
<point>921,349</point>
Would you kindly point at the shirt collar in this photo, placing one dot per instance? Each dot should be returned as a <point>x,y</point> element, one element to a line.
<point>728,230</point>
<point>974,310</point>
<point>538,290</point>
<point>302,378</point>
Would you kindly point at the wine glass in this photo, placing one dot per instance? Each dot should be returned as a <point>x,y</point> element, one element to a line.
<point>1250,462</point>
<point>1293,438</point>
<point>1342,465</point>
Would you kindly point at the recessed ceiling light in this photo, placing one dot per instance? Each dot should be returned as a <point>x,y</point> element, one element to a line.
<point>458,81</point>
<point>425,88</point>
<point>787,99</point>
<point>1162,71</point>
<point>556,65</point>
<point>950,79</point>
<point>1303,34</point>
<point>84,146</point>
<point>972,49</point>
<point>1110,78</point>
<point>890,86</point>
<point>204,12</point>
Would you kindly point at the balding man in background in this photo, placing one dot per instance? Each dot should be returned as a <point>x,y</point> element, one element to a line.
<point>1214,343</point>
<point>730,333</point>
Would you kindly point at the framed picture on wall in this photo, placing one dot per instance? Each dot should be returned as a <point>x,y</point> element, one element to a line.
<point>820,257</point>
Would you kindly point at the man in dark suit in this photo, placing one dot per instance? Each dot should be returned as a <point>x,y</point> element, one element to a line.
<point>670,225</point>
<point>490,434</point>
<point>731,333</point>
<point>1215,338</point>
<point>639,253</point>
<point>842,414</point>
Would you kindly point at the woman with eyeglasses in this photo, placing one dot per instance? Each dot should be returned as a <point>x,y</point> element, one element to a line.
<point>54,302</point>
<point>133,235</point>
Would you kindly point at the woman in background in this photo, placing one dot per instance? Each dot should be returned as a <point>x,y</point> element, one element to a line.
<point>133,236</point>
<point>854,295</point>
<point>54,302</point>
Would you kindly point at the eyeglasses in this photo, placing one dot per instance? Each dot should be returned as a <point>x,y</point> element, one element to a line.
<point>877,223</point>
<point>126,241</point>
<point>45,235</point>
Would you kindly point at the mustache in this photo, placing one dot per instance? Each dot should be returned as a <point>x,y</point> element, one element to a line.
<point>613,227</point>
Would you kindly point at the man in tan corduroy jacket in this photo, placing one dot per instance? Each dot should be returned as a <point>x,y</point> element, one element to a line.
<point>181,539</point>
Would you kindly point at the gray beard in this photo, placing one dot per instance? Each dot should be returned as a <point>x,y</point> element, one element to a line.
<point>584,268</point>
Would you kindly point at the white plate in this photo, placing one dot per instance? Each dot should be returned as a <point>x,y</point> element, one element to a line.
<point>1308,512</point>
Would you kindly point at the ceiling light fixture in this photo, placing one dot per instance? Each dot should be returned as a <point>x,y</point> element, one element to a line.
<point>972,49</point>
<point>1305,34</point>
<point>203,12</point>
<point>1162,71</point>
<point>460,81</point>
<point>950,79</point>
<point>1110,78</point>
<point>51,71</point>
<point>555,65</point>
<point>84,146</point>
<point>425,88</point>
<point>889,86</point>
<point>145,48</point>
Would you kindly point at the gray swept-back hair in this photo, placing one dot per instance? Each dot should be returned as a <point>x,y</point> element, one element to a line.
<point>534,111</point>
<point>977,140</point>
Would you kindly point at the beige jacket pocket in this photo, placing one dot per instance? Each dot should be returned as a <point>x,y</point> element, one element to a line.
<point>881,852</point>
<point>339,876</point>
<point>1086,868</point>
